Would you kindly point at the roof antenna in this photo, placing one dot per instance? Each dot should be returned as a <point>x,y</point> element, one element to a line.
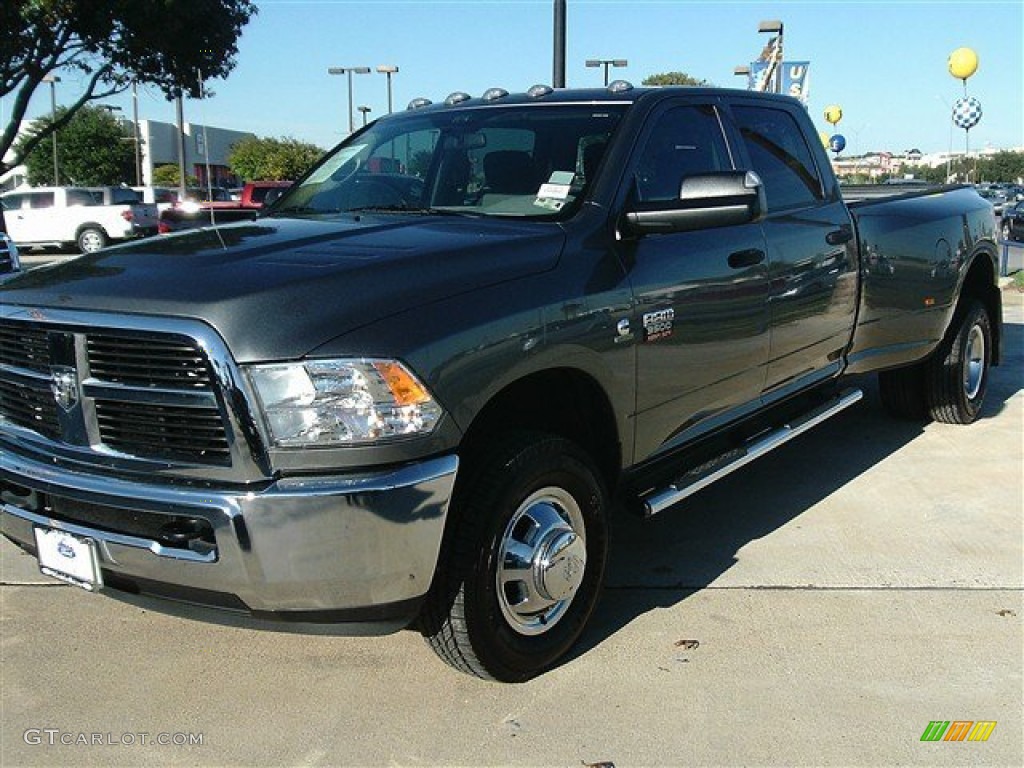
<point>206,157</point>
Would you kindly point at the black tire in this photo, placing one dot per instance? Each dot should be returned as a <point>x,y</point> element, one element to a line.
<point>903,392</point>
<point>91,239</point>
<point>528,482</point>
<point>957,375</point>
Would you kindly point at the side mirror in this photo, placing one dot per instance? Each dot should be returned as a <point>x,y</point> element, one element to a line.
<point>706,201</point>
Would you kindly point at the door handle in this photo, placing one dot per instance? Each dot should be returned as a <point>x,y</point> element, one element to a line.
<point>746,258</point>
<point>840,236</point>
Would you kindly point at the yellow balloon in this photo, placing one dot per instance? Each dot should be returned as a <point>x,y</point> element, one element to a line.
<point>834,113</point>
<point>824,138</point>
<point>963,62</point>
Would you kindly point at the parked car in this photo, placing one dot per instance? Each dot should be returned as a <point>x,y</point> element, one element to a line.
<point>162,197</point>
<point>257,194</point>
<point>214,207</point>
<point>1012,225</point>
<point>997,196</point>
<point>10,262</point>
<point>86,217</point>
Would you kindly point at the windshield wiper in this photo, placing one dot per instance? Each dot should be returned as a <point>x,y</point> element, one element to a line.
<point>299,209</point>
<point>406,209</point>
<point>386,209</point>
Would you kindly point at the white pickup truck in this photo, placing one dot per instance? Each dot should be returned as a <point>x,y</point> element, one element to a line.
<point>88,217</point>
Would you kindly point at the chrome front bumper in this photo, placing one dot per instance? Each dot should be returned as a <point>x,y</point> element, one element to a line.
<point>359,547</point>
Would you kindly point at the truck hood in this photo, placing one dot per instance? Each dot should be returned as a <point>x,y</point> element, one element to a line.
<point>277,288</point>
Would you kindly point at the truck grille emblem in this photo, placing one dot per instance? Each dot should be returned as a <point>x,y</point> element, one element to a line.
<point>64,385</point>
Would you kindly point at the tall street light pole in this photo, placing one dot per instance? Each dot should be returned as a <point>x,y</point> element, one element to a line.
<point>180,115</point>
<point>558,58</point>
<point>135,133</point>
<point>389,70</point>
<point>53,80</point>
<point>349,71</point>
<point>365,110</point>
<point>606,63</point>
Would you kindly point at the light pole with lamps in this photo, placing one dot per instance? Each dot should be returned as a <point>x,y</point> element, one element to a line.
<point>365,110</point>
<point>742,70</point>
<point>606,63</point>
<point>135,133</point>
<point>349,71</point>
<point>774,25</point>
<point>53,80</point>
<point>389,70</point>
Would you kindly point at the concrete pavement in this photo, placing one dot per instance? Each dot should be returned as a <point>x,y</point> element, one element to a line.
<point>820,607</point>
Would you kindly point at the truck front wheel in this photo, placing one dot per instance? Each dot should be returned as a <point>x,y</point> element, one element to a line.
<point>957,375</point>
<point>521,570</point>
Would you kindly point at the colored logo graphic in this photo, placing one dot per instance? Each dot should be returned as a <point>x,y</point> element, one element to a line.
<point>958,730</point>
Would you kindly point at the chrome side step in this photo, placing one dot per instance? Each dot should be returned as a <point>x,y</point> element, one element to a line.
<point>703,476</point>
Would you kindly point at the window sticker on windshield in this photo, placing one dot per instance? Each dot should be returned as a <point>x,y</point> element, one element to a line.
<point>549,203</point>
<point>557,186</point>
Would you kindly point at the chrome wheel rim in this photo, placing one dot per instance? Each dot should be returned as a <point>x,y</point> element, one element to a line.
<point>91,242</point>
<point>541,561</point>
<point>974,365</point>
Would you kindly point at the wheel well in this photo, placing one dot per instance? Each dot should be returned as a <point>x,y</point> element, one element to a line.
<point>563,401</point>
<point>89,225</point>
<point>980,284</point>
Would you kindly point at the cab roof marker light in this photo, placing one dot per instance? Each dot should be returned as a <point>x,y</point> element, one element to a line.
<point>419,103</point>
<point>620,86</point>
<point>493,94</point>
<point>457,98</point>
<point>539,91</point>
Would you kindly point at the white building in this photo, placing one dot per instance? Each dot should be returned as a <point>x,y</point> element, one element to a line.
<point>205,146</point>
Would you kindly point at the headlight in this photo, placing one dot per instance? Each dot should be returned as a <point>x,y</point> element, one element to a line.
<point>342,402</point>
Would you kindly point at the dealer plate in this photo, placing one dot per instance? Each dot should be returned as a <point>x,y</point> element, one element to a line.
<point>70,558</point>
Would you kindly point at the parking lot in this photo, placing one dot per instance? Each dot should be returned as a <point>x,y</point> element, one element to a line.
<point>821,607</point>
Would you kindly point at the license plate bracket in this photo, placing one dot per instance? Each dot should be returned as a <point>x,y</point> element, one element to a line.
<point>70,558</point>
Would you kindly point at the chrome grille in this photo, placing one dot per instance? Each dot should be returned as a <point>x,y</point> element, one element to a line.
<point>31,406</point>
<point>24,347</point>
<point>147,362</point>
<point>160,431</point>
<point>144,394</point>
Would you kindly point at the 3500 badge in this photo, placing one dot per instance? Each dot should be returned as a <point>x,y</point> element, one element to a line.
<point>658,325</point>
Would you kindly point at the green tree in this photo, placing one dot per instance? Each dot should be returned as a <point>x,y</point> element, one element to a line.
<point>420,163</point>
<point>1002,166</point>
<point>168,175</point>
<point>93,149</point>
<point>265,159</point>
<point>175,45</point>
<point>673,78</point>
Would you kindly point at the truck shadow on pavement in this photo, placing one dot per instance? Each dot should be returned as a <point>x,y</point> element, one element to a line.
<point>660,562</point>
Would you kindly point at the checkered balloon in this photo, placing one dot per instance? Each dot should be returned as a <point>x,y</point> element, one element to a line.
<point>966,113</point>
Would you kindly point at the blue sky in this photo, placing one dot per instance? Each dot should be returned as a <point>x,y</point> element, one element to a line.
<point>883,62</point>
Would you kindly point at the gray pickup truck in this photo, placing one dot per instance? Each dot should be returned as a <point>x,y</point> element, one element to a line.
<point>411,392</point>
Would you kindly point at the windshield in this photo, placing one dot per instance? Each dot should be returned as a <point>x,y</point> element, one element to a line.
<point>528,161</point>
